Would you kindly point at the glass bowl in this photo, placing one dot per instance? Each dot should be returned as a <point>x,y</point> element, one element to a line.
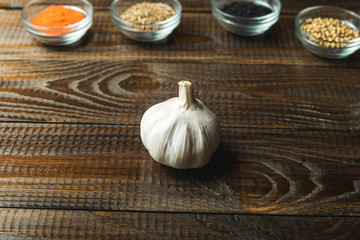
<point>155,32</point>
<point>246,26</point>
<point>61,35</point>
<point>311,43</point>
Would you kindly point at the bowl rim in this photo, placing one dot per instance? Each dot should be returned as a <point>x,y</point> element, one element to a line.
<point>84,22</point>
<point>176,16</point>
<point>309,9</point>
<point>274,14</point>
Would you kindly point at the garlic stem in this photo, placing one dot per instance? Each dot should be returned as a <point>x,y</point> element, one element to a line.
<point>186,95</point>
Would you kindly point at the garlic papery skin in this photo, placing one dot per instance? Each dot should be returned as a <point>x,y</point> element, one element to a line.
<point>180,132</point>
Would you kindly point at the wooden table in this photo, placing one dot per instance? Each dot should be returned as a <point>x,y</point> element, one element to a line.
<point>73,165</point>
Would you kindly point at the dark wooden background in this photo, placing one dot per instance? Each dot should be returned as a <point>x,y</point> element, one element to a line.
<point>72,165</point>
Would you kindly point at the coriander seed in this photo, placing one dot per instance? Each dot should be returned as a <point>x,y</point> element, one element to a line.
<point>329,32</point>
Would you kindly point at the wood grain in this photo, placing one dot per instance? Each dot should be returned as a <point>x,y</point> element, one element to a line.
<point>105,167</point>
<point>59,224</point>
<point>98,91</point>
<point>73,165</point>
<point>117,81</point>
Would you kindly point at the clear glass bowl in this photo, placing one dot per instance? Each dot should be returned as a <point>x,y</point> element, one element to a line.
<point>69,34</point>
<point>246,26</point>
<point>158,31</point>
<point>308,41</point>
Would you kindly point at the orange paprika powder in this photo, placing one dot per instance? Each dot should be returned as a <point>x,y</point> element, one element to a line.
<point>57,16</point>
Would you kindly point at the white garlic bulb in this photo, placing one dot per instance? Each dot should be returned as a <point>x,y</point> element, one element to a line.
<point>180,132</point>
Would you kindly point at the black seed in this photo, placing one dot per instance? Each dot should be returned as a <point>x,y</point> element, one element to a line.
<point>246,9</point>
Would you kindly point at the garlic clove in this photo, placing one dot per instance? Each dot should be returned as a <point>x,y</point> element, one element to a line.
<point>180,132</point>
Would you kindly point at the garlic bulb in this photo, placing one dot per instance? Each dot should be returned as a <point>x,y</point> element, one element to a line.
<point>180,132</point>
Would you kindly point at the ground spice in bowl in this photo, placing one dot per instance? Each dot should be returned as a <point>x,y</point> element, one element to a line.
<point>247,9</point>
<point>329,32</point>
<point>147,13</point>
<point>57,16</point>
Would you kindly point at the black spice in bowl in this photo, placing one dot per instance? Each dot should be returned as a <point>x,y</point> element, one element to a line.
<point>246,17</point>
<point>247,9</point>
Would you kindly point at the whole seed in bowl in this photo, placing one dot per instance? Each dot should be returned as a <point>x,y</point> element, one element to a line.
<point>329,32</point>
<point>147,13</point>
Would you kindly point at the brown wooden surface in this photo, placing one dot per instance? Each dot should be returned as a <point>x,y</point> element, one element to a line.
<point>72,165</point>
<point>64,224</point>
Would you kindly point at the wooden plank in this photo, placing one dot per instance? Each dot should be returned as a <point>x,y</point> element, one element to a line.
<point>98,91</point>
<point>60,224</point>
<point>69,136</point>
<point>105,167</point>
<point>273,75</point>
